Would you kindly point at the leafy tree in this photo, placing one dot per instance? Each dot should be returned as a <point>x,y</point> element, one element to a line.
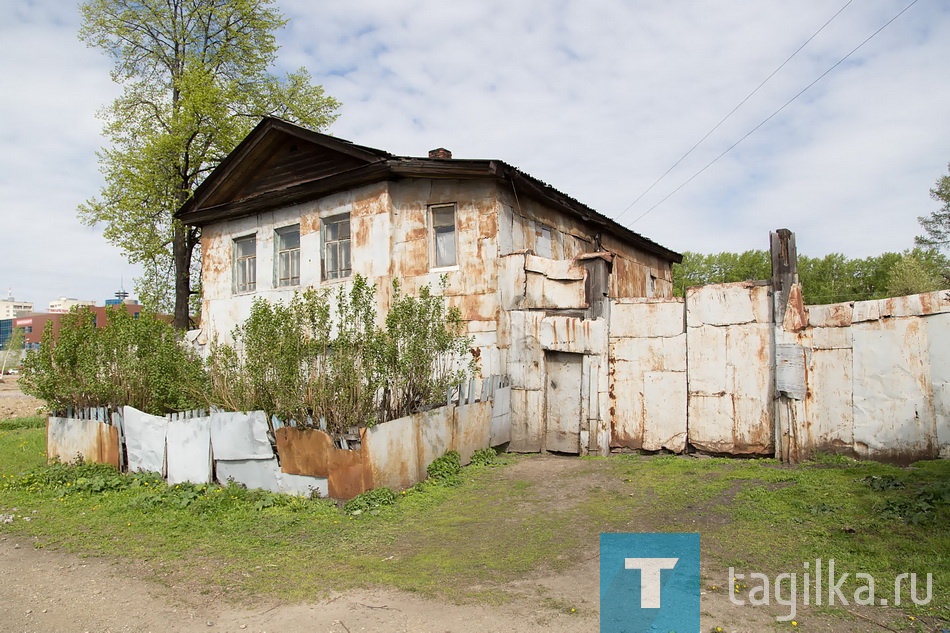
<point>12,348</point>
<point>829,279</point>
<point>910,276</point>
<point>195,80</point>
<point>937,225</point>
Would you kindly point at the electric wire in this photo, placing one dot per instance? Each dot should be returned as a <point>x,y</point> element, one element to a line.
<point>773,115</point>
<point>731,112</point>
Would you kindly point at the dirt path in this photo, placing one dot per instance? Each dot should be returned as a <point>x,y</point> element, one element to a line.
<point>51,591</point>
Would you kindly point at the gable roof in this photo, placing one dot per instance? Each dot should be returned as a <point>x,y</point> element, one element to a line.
<point>280,163</point>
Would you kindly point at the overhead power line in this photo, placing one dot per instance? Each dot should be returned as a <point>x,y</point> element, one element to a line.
<point>731,112</point>
<point>771,116</point>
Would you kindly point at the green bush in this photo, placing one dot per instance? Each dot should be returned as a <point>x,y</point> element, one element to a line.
<point>370,501</point>
<point>445,470</point>
<point>313,359</point>
<point>483,457</point>
<point>138,361</point>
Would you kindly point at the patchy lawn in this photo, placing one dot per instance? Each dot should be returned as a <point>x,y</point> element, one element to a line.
<point>504,530</point>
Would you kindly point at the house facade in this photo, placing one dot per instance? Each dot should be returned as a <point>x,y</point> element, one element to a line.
<point>532,270</point>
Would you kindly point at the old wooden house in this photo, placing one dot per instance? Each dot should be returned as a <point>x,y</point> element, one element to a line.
<point>533,271</point>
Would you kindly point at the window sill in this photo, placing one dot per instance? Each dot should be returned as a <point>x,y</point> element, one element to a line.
<point>444,269</point>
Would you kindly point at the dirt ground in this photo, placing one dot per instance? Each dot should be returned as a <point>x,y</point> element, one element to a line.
<point>13,404</point>
<point>55,592</point>
<point>47,591</point>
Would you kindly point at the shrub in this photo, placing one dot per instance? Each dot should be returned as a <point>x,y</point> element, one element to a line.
<point>136,361</point>
<point>316,361</point>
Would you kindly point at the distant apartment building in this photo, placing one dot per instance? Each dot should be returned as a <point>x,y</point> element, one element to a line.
<point>10,308</point>
<point>65,304</point>
<point>34,324</point>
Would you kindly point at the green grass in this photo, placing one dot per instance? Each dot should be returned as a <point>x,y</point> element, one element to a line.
<point>466,538</point>
<point>31,422</point>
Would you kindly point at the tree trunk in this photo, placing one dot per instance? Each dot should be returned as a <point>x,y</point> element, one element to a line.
<point>182,251</point>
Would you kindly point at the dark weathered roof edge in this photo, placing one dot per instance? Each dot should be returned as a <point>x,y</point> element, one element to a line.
<point>266,124</point>
<point>407,166</point>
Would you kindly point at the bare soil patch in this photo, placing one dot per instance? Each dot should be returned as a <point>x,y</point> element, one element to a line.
<point>52,591</point>
<point>13,402</point>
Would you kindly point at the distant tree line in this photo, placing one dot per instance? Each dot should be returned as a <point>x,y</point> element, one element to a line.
<point>829,279</point>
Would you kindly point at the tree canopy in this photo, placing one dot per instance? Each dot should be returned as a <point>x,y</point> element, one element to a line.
<point>196,78</point>
<point>937,224</point>
<point>829,279</point>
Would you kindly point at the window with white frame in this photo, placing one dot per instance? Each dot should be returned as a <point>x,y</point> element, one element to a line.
<point>287,245</point>
<point>442,226</point>
<point>336,247</point>
<point>245,264</point>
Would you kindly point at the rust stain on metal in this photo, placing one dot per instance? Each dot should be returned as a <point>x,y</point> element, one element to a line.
<point>348,474</point>
<point>796,316</point>
<point>108,445</point>
<point>304,451</point>
<point>488,224</point>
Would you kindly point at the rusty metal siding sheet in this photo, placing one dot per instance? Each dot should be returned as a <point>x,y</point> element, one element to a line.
<point>718,304</point>
<point>571,334</point>
<point>526,415</point>
<point>472,429</point>
<point>831,338</point>
<point>500,429</point>
<point>710,423</point>
<point>304,451</point>
<point>144,440</point>
<point>349,474</point>
<point>730,381</point>
<point>189,451</point>
<point>938,335</point>
<point>706,358</point>
<point>647,318</point>
<point>916,305</point>
<point>545,293</point>
<point>834,315</point>
<point>525,355</point>
<point>664,411</point>
<point>829,424</point>
<point>436,435</point>
<point>562,402</point>
<point>69,438</point>
<point>893,405</point>
<point>391,454</point>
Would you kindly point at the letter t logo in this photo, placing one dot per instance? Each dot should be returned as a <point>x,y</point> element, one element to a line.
<point>650,578</point>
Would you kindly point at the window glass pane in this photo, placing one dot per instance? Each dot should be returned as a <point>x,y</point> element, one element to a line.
<point>288,256</point>
<point>443,217</point>
<point>345,259</point>
<point>445,247</point>
<point>245,264</point>
<point>333,261</point>
<point>289,238</point>
<point>336,247</point>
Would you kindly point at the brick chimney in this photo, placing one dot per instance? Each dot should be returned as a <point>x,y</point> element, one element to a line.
<point>440,152</point>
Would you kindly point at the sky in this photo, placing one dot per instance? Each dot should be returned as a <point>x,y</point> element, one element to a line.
<point>598,99</point>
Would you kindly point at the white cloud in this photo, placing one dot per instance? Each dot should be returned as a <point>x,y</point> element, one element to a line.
<point>598,99</point>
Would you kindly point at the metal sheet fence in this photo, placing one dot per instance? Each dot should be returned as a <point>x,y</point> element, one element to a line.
<point>199,446</point>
